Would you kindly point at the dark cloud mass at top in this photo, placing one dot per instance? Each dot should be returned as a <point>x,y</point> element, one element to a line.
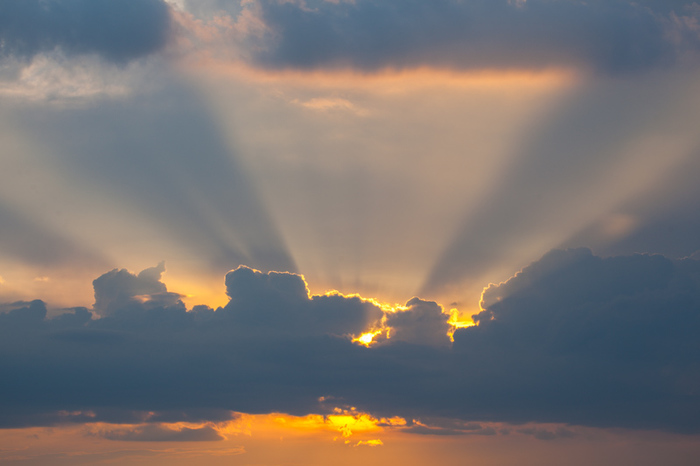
<point>116,30</point>
<point>610,36</point>
<point>573,338</point>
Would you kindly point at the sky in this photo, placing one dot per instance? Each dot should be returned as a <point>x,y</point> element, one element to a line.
<point>280,232</point>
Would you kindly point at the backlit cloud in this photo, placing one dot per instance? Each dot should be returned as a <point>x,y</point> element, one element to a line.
<point>572,339</point>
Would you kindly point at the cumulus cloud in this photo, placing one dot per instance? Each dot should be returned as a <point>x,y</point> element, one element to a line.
<point>572,339</point>
<point>280,302</point>
<point>117,31</point>
<point>611,36</point>
<point>119,289</point>
<point>422,322</point>
<point>611,339</point>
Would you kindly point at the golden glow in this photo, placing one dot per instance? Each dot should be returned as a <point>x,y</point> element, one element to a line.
<point>343,423</point>
<point>370,443</point>
<point>366,339</point>
<point>458,320</point>
<point>272,442</point>
<point>382,81</point>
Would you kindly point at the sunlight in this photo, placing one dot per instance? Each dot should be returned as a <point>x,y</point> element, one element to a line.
<point>366,338</point>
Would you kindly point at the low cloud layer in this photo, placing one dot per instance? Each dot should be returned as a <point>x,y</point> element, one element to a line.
<point>117,31</point>
<point>611,36</point>
<point>156,433</point>
<point>573,338</point>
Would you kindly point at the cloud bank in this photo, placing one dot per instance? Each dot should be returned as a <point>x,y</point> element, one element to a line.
<point>611,36</point>
<point>573,338</point>
<point>117,31</point>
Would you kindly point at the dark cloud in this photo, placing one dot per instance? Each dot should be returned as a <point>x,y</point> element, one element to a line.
<point>118,31</point>
<point>612,36</point>
<point>423,322</point>
<point>594,340</point>
<point>572,339</point>
<point>120,289</point>
<point>280,303</point>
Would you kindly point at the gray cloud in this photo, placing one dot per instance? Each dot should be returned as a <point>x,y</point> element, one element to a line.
<point>117,31</point>
<point>593,338</point>
<point>120,289</point>
<point>157,433</point>
<point>612,36</point>
<point>546,434</point>
<point>279,303</point>
<point>423,322</point>
<point>573,339</point>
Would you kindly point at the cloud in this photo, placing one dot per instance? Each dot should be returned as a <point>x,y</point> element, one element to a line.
<point>571,339</point>
<point>584,337</point>
<point>545,434</point>
<point>117,31</point>
<point>432,426</point>
<point>422,322</point>
<point>613,36</point>
<point>159,433</point>
<point>280,303</point>
<point>119,289</point>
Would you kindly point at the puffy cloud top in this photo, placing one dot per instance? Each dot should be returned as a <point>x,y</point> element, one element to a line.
<point>612,339</point>
<point>280,303</point>
<point>118,290</point>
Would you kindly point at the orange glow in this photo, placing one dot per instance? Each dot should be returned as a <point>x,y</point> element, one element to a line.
<point>382,81</point>
<point>343,424</point>
<point>280,438</point>
<point>370,443</point>
<point>210,293</point>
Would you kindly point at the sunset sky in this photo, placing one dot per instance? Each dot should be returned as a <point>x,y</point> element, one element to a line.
<point>311,232</point>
